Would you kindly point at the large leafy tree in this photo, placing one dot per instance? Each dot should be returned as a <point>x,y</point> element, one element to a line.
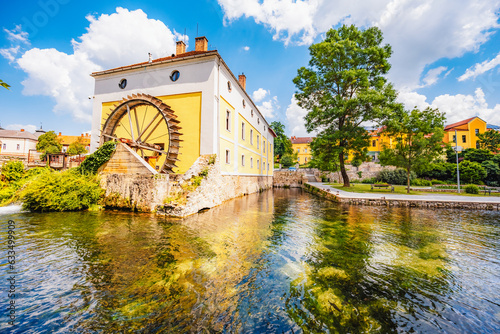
<point>344,87</point>
<point>417,139</point>
<point>282,144</point>
<point>48,143</point>
<point>490,140</point>
<point>4,84</point>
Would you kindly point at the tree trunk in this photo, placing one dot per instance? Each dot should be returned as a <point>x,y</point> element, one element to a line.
<point>408,180</point>
<point>343,171</point>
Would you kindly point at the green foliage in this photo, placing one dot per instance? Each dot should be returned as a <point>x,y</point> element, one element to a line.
<point>61,191</point>
<point>77,147</point>
<point>471,172</point>
<point>418,139</point>
<point>204,172</point>
<point>48,143</point>
<point>421,183</point>
<point>472,189</point>
<point>282,144</point>
<point>433,182</point>
<point>369,180</point>
<point>212,159</point>
<point>12,171</point>
<point>492,172</point>
<point>92,163</point>
<point>287,160</point>
<point>325,155</point>
<point>490,140</point>
<point>477,155</point>
<point>443,171</point>
<point>451,155</point>
<point>4,84</point>
<point>343,87</point>
<point>356,162</point>
<point>397,176</point>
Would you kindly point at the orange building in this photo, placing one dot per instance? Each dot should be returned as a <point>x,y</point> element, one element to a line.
<point>67,140</point>
<point>301,146</point>
<point>467,131</point>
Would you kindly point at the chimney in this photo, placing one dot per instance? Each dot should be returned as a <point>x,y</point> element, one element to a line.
<point>180,48</point>
<point>22,130</point>
<point>59,133</point>
<point>243,81</point>
<point>201,44</point>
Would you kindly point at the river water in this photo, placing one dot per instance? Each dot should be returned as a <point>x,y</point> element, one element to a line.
<point>275,262</point>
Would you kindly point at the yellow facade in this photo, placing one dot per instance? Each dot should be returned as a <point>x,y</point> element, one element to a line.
<point>187,107</point>
<point>303,151</point>
<point>467,132</point>
<point>250,156</point>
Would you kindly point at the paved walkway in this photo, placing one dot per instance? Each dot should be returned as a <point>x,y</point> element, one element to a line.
<point>434,197</point>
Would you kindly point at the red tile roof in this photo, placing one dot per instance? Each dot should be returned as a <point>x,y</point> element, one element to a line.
<point>301,140</point>
<point>159,60</point>
<point>452,126</point>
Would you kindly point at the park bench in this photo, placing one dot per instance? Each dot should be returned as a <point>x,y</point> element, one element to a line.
<point>383,185</point>
<point>490,190</point>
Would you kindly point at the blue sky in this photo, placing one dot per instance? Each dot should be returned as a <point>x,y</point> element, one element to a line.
<point>446,53</point>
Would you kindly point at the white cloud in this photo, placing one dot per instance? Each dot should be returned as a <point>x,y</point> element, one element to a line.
<point>480,68</point>
<point>17,35</point>
<point>246,48</point>
<point>10,53</point>
<point>432,76</point>
<point>420,32</point>
<point>295,116</point>
<point>118,39</point>
<point>269,107</point>
<point>27,127</point>
<point>260,94</point>
<point>456,107</point>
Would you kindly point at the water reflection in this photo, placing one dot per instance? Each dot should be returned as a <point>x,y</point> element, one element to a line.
<point>281,261</point>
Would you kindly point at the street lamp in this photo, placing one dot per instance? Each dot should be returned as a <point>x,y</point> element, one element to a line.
<point>457,149</point>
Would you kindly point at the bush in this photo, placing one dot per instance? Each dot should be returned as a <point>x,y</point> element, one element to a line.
<point>442,171</point>
<point>61,191</point>
<point>471,172</point>
<point>492,172</point>
<point>421,183</point>
<point>92,163</point>
<point>472,189</point>
<point>477,155</point>
<point>437,182</point>
<point>12,170</point>
<point>369,180</point>
<point>286,160</point>
<point>397,176</point>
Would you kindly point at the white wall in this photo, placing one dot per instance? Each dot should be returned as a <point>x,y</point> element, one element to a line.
<point>11,146</point>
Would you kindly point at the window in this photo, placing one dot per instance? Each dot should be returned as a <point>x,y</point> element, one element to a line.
<point>18,147</point>
<point>258,120</point>
<point>298,150</point>
<point>305,150</point>
<point>229,88</point>
<point>298,159</point>
<point>175,76</point>
<point>228,120</point>
<point>123,83</point>
<point>374,143</point>
<point>243,131</point>
<point>251,137</point>
<point>228,157</point>
<point>251,162</point>
<point>477,131</point>
<point>270,146</point>
<point>264,146</point>
<point>258,163</point>
<point>4,146</point>
<point>243,160</point>
<point>464,139</point>
<point>454,138</point>
<point>305,160</point>
<point>268,166</point>
<point>477,145</point>
<point>258,141</point>
<point>243,102</point>
<point>263,166</point>
<point>251,113</point>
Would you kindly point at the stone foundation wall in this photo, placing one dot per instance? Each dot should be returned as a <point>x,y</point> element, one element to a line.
<point>367,169</point>
<point>289,179</point>
<point>403,203</point>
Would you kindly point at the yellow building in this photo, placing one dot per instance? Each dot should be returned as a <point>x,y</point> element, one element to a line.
<point>68,140</point>
<point>378,140</point>
<point>300,145</point>
<point>172,110</point>
<point>467,131</point>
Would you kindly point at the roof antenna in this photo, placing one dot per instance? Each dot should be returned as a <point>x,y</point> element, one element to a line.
<point>150,57</point>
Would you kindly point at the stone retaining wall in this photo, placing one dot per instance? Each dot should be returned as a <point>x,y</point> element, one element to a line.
<point>289,179</point>
<point>402,202</point>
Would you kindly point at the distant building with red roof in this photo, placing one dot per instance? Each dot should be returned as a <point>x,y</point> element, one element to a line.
<point>466,130</point>
<point>301,146</point>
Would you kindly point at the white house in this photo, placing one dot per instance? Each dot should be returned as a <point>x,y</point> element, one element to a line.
<point>17,143</point>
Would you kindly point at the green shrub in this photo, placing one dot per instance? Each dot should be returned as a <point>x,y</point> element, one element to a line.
<point>61,191</point>
<point>421,183</point>
<point>442,171</point>
<point>369,180</point>
<point>397,176</point>
<point>472,189</point>
<point>204,172</point>
<point>471,172</point>
<point>286,160</point>
<point>92,163</point>
<point>12,170</point>
<point>437,182</point>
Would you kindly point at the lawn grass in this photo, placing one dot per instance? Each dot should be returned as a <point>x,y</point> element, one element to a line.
<point>366,188</point>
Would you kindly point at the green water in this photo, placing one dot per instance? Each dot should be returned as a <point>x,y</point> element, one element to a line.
<point>275,262</point>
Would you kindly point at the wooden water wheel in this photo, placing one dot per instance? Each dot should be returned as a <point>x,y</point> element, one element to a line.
<point>149,127</point>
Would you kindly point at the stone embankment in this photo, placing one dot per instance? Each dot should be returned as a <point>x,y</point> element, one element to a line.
<point>428,204</point>
<point>289,179</point>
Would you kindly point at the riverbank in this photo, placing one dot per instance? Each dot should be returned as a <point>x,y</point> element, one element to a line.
<point>399,200</point>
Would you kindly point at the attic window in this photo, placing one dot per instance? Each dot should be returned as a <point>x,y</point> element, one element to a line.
<point>251,112</point>
<point>123,83</point>
<point>175,75</point>
<point>258,120</point>
<point>243,102</point>
<point>229,88</point>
